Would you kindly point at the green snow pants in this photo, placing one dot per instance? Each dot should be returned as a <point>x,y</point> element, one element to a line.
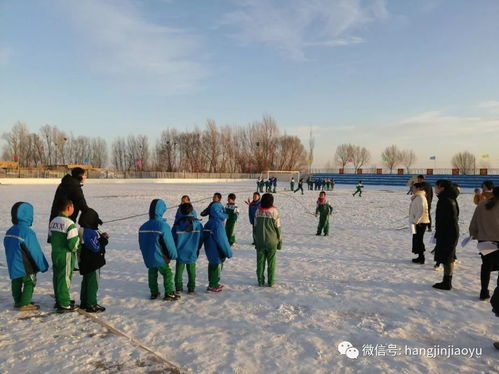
<point>191,274</point>
<point>22,289</point>
<point>63,263</point>
<point>358,191</point>
<point>229,230</point>
<point>89,288</point>
<point>265,256</point>
<point>323,224</point>
<point>214,271</point>
<point>167,274</point>
<point>291,186</point>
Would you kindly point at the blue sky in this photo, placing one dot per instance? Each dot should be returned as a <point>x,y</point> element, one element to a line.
<point>421,74</point>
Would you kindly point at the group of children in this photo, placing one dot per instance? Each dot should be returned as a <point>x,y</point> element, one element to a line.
<point>321,184</point>
<point>70,245</point>
<point>269,184</point>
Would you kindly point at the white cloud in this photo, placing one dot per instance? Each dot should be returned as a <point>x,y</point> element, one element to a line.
<point>492,106</point>
<point>295,25</point>
<point>119,41</point>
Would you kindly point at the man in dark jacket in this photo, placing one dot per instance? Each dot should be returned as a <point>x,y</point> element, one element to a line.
<point>429,196</point>
<point>446,230</point>
<point>70,188</point>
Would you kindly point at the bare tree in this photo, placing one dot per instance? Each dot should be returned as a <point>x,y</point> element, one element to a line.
<point>343,155</point>
<point>166,150</point>
<point>391,157</point>
<point>465,162</point>
<point>98,153</point>
<point>211,143</point>
<point>311,147</point>
<point>408,158</point>
<point>119,154</point>
<point>360,156</point>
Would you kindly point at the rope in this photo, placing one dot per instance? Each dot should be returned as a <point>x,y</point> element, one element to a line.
<point>175,206</point>
<point>171,366</point>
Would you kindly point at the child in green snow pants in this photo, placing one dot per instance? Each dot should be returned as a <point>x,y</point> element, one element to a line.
<point>191,274</point>
<point>167,274</point>
<point>265,256</point>
<point>63,263</point>
<point>89,289</point>
<point>22,289</point>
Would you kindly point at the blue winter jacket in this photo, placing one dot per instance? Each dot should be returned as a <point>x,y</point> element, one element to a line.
<point>155,237</point>
<point>252,208</point>
<point>188,242</point>
<point>216,244</point>
<point>22,249</point>
<point>179,215</point>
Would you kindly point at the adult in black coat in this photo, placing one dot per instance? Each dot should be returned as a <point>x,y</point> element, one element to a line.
<point>446,230</point>
<point>428,189</point>
<point>494,301</point>
<point>70,188</point>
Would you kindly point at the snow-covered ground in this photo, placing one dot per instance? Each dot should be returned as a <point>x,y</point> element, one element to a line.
<point>357,285</point>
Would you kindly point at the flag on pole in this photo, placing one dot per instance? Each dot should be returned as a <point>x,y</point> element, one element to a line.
<point>486,155</point>
<point>433,157</point>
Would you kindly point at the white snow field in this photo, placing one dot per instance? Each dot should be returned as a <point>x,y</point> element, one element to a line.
<point>357,285</point>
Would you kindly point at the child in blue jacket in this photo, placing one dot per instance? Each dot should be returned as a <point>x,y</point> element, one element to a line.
<point>158,249</point>
<point>188,236</point>
<point>216,245</point>
<point>91,259</point>
<point>24,256</point>
<point>184,199</point>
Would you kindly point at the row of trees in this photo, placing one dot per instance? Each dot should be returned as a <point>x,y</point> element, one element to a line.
<point>358,156</point>
<point>256,147</point>
<point>393,157</point>
<point>51,146</point>
<point>253,148</point>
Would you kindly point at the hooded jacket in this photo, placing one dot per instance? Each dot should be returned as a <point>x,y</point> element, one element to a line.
<point>155,237</point>
<point>188,236</point>
<point>70,188</point>
<point>216,244</point>
<point>22,249</point>
<point>93,248</point>
<point>447,225</point>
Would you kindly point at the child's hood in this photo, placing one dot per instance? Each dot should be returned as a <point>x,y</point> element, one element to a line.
<point>157,209</point>
<point>89,219</point>
<point>22,213</point>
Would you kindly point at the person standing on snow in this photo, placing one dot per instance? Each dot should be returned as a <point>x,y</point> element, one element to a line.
<point>446,230</point>
<point>418,219</point>
<point>324,211</point>
<point>358,189</point>
<point>484,227</point>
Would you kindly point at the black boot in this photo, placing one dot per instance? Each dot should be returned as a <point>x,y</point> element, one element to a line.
<point>484,294</point>
<point>419,259</point>
<point>446,284</point>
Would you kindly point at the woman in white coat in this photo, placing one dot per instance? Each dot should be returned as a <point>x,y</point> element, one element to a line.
<point>419,220</point>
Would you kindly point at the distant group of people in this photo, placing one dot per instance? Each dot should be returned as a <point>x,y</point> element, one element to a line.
<point>320,184</point>
<point>266,185</point>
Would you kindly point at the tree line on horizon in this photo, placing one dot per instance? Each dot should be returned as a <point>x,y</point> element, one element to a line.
<point>253,148</point>
<point>244,149</point>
